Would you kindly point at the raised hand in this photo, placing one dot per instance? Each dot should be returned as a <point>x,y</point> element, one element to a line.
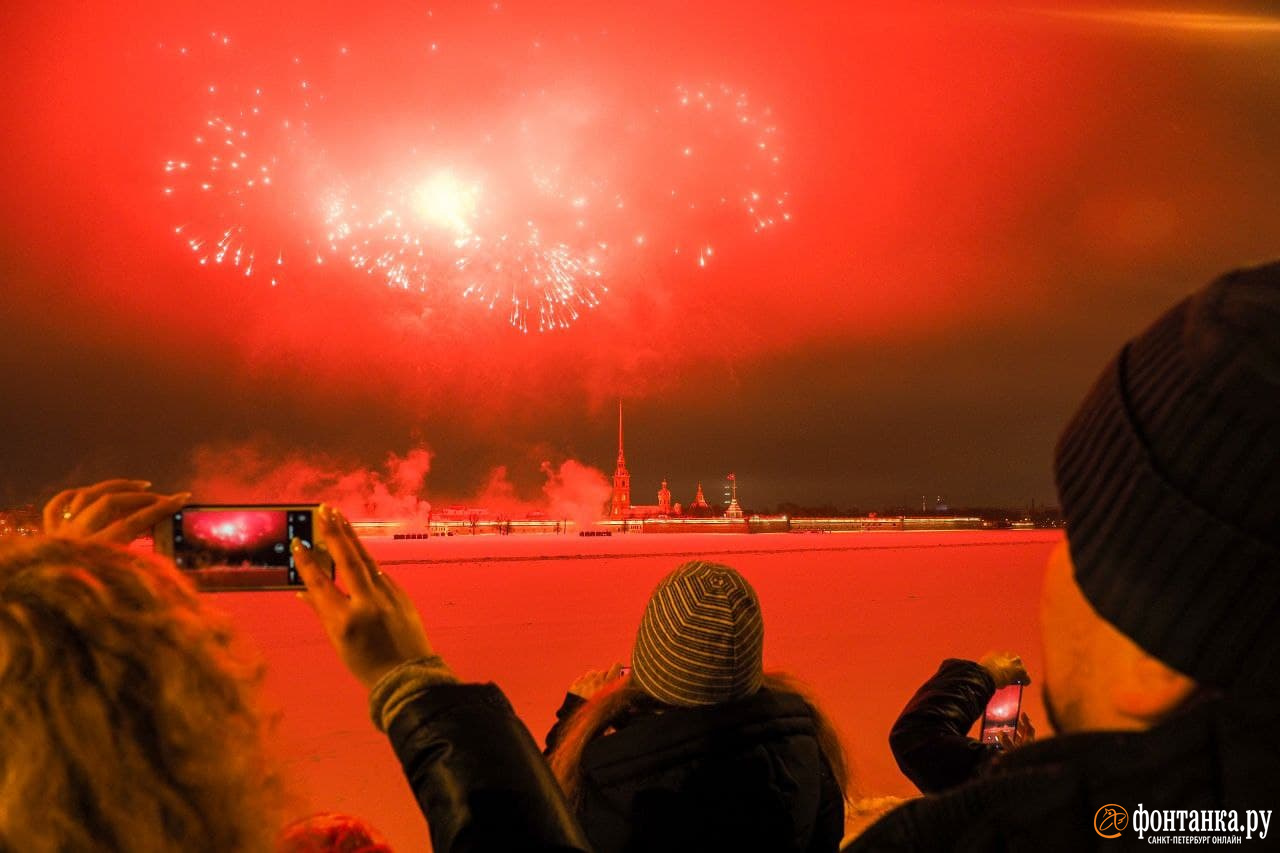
<point>116,511</point>
<point>369,619</point>
<point>1025,734</point>
<point>1006,668</point>
<point>590,682</point>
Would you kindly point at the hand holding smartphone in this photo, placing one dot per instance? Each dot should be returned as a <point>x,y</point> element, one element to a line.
<point>226,547</point>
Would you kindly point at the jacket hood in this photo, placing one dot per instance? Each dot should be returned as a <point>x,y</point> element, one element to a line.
<point>676,736</point>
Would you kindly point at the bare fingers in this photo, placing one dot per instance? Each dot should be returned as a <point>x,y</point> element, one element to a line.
<point>349,559</point>
<point>322,594</point>
<point>68,503</point>
<point>56,507</point>
<point>116,511</point>
<point>87,495</point>
<point>144,517</point>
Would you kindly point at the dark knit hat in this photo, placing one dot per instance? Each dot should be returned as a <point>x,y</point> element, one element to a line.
<point>701,640</point>
<point>1169,477</point>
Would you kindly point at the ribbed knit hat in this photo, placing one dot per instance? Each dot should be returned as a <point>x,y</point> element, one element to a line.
<point>701,640</point>
<point>1169,477</point>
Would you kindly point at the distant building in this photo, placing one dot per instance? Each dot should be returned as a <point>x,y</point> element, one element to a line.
<point>620,503</point>
<point>939,505</point>
<point>734,510</point>
<point>20,521</point>
<point>621,507</point>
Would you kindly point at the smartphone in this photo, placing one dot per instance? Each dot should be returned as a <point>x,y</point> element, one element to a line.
<point>243,546</point>
<point>1002,714</point>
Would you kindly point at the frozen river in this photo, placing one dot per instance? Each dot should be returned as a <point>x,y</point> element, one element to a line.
<point>862,618</point>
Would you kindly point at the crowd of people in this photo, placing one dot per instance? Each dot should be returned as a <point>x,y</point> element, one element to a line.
<point>131,721</point>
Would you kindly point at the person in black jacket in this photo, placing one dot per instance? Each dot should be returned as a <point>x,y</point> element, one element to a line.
<point>930,738</point>
<point>1159,612</point>
<point>475,770</point>
<point>697,748</point>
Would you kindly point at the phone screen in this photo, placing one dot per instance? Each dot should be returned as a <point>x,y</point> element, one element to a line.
<point>239,547</point>
<point>1002,714</point>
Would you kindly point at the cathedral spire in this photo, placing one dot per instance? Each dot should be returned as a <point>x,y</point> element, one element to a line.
<point>620,503</point>
<point>622,462</point>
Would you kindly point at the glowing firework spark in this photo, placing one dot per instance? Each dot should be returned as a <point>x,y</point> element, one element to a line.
<point>556,281</point>
<point>552,201</point>
<point>436,235</point>
<point>241,190</point>
<point>726,161</point>
<point>445,201</point>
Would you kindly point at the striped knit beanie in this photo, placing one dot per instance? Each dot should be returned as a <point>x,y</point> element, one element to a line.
<point>701,640</point>
<point>1169,477</point>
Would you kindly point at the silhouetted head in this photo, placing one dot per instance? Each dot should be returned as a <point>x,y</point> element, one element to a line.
<point>1169,478</point>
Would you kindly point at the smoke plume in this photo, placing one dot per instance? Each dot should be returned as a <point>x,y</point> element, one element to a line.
<point>253,472</point>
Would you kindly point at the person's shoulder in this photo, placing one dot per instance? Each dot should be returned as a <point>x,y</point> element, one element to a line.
<point>1041,807</point>
<point>772,701</point>
<point>650,740</point>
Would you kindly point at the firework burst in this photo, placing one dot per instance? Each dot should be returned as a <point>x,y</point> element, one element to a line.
<point>556,198</point>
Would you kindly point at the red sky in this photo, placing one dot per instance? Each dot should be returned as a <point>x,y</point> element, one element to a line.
<point>983,204</point>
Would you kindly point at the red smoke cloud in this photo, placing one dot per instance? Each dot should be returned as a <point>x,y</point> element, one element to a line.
<point>252,472</point>
<point>573,490</point>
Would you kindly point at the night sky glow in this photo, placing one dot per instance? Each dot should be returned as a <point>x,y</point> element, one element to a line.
<point>854,253</point>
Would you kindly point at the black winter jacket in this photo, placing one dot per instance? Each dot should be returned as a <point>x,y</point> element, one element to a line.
<point>744,775</point>
<point>477,774</point>
<point>1218,753</point>
<point>930,738</point>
